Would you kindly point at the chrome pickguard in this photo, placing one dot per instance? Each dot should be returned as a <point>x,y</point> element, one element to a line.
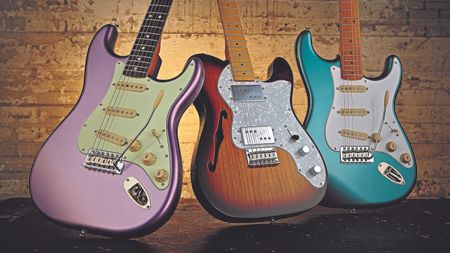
<point>265,110</point>
<point>357,113</point>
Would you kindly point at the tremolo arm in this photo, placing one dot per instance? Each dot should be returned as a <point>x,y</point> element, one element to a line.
<point>155,106</point>
<point>376,137</point>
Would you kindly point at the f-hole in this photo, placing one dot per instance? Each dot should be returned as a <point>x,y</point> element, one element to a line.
<point>218,140</point>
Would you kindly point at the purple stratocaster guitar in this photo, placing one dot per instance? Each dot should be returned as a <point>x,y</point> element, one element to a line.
<point>113,166</point>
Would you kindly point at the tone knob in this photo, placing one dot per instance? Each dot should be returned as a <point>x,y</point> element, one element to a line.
<point>135,146</point>
<point>304,150</point>
<point>315,170</point>
<point>149,159</point>
<point>375,137</point>
<point>391,146</point>
<point>161,175</point>
<point>405,158</point>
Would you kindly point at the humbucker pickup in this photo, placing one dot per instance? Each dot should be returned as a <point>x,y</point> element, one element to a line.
<point>356,154</point>
<point>257,135</point>
<point>103,161</point>
<point>247,93</point>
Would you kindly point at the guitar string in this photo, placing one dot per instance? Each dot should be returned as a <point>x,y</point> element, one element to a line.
<point>245,106</point>
<point>115,98</point>
<point>128,74</point>
<point>152,24</point>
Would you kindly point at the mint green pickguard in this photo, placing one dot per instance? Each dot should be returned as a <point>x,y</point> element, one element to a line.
<point>142,102</point>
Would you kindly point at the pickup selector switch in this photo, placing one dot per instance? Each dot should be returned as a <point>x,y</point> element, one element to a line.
<point>391,146</point>
<point>304,150</point>
<point>149,159</point>
<point>315,170</point>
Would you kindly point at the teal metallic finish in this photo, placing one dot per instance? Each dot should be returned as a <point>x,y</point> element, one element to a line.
<point>349,185</point>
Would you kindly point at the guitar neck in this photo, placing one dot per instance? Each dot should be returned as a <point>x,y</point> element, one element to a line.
<point>236,45</point>
<point>147,40</point>
<point>350,40</point>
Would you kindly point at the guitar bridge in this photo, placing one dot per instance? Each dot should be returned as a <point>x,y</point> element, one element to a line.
<point>356,154</point>
<point>262,157</point>
<point>103,161</point>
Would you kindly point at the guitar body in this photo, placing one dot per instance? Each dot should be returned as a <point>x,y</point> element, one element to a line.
<point>355,184</point>
<point>140,198</point>
<point>224,183</point>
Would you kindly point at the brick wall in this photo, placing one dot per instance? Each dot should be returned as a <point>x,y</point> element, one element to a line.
<point>43,45</point>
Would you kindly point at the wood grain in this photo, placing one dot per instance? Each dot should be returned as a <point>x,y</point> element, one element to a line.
<point>234,189</point>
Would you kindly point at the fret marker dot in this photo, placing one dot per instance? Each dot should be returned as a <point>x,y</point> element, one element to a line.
<point>159,16</point>
<point>148,36</point>
<point>143,47</point>
<point>139,58</point>
<point>135,68</point>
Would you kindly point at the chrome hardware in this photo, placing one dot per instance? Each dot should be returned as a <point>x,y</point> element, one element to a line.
<point>315,170</point>
<point>103,161</point>
<point>247,93</point>
<point>257,135</point>
<point>258,157</point>
<point>137,192</point>
<point>304,150</point>
<point>391,173</point>
<point>356,154</point>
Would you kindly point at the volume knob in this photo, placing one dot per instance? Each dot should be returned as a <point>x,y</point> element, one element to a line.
<point>135,146</point>
<point>304,150</point>
<point>149,159</point>
<point>391,146</point>
<point>315,170</point>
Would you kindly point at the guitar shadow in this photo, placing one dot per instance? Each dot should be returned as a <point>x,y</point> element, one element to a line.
<point>24,229</point>
<point>345,232</point>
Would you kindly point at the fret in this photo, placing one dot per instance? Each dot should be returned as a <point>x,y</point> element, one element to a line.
<point>147,39</point>
<point>350,39</point>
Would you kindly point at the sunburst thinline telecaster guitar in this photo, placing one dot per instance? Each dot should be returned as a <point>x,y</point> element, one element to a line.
<point>253,161</point>
<point>352,120</point>
<point>113,166</point>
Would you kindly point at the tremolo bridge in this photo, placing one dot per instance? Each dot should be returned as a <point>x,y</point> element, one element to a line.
<point>258,156</point>
<point>356,154</point>
<point>103,161</point>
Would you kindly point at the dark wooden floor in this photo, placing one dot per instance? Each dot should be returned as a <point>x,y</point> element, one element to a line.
<point>410,226</point>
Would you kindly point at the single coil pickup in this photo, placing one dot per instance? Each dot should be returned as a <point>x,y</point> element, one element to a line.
<point>111,137</point>
<point>121,112</point>
<point>126,86</point>
<point>356,154</point>
<point>352,88</point>
<point>103,161</point>
<point>353,112</point>
<point>261,157</point>
<point>353,134</point>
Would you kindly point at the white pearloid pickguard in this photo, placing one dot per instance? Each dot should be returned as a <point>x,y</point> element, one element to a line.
<point>373,101</point>
<point>273,111</point>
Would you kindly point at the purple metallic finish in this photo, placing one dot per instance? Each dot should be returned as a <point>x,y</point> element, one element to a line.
<point>72,195</point>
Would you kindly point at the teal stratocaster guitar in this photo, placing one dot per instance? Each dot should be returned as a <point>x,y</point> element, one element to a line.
<point>352,120</point>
